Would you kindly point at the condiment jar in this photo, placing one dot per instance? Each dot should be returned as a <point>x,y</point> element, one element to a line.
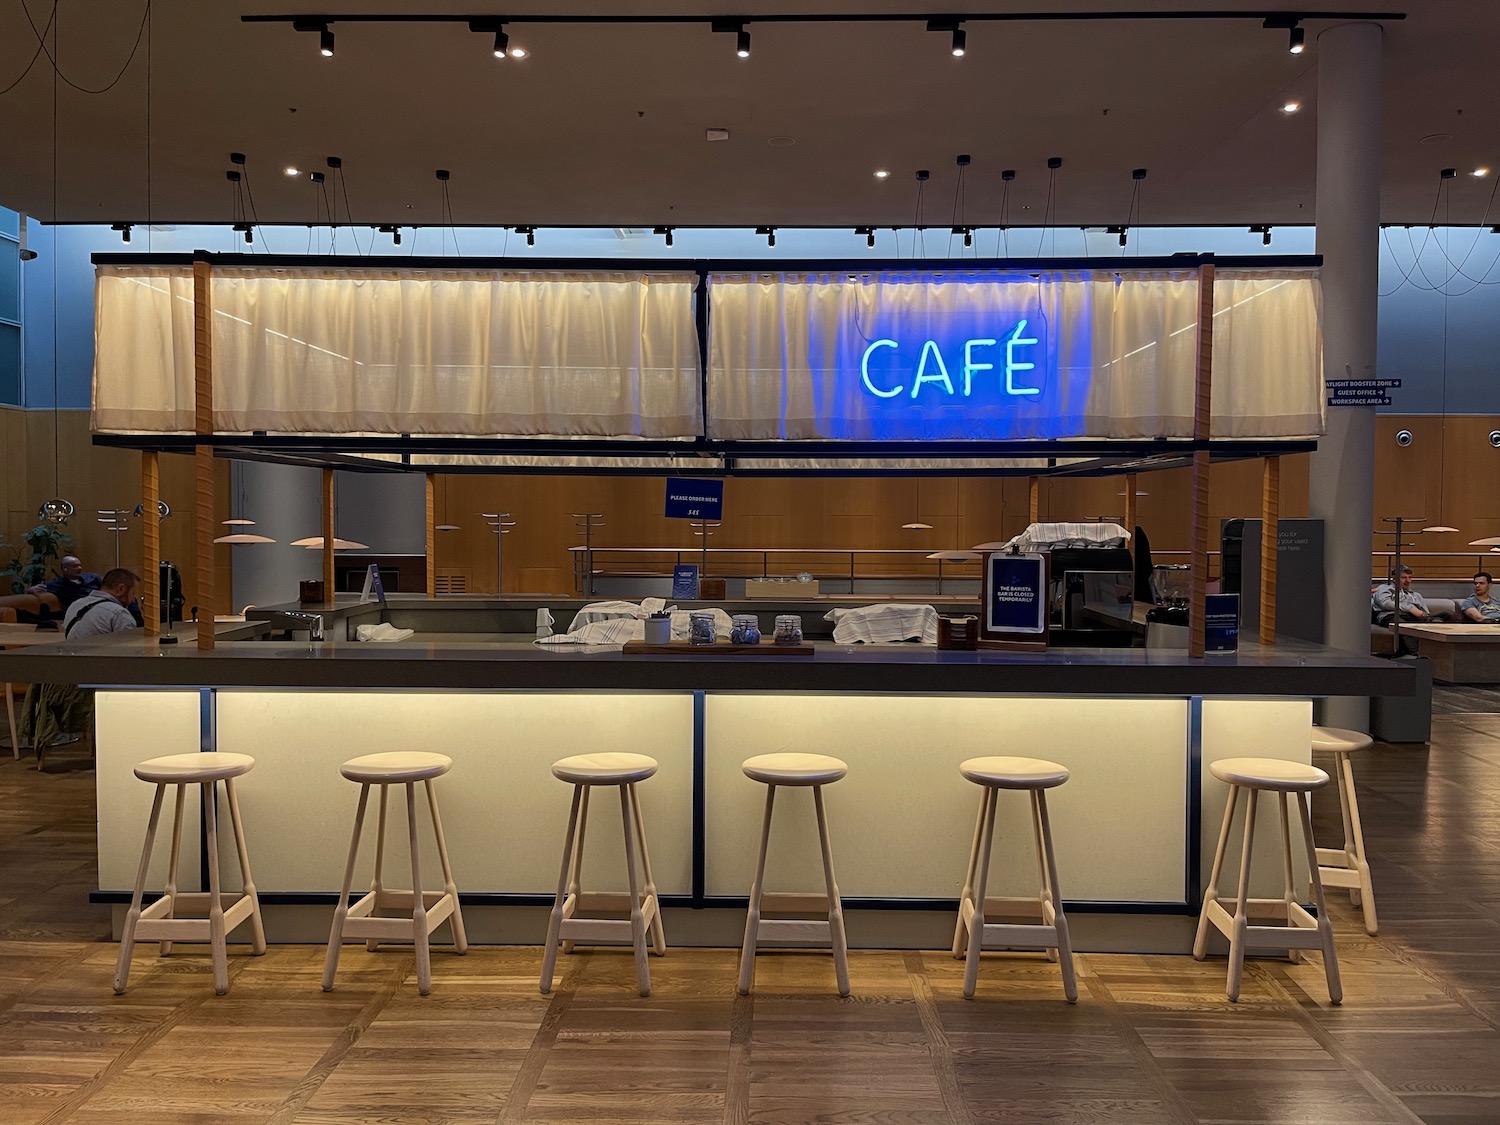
<point>702,630</point>
<point>788,629</point>
<point>746,630</point>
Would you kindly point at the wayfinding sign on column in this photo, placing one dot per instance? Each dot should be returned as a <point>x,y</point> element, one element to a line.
<point>694,498</point>
<point>1360,392</point>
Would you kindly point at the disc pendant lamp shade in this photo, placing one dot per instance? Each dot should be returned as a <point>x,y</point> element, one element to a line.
<point>315,543</point>
<point>243,538</point>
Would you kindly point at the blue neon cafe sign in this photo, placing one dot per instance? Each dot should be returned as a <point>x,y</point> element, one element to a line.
<point>932,369</point>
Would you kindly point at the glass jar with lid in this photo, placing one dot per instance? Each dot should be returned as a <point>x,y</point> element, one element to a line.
<point>788,629</point>
<point>746,629</point>
<point>702,630</point>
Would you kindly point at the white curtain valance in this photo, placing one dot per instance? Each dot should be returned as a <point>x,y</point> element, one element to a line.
<point>495,353</point>
<point>987,355</point>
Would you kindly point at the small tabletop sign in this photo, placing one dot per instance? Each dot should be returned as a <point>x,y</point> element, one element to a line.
<point>374,589</point>
<point>1015,600</point>
<point>1221,623</point>
<point>685,582</point>
<point>694,498</point>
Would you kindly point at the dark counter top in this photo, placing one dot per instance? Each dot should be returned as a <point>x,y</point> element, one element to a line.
<point>511,662</point>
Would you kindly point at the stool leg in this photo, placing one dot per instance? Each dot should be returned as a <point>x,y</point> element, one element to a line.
<point>377,881</point>
<point>757,888</point>
<point>217,940</point>
<point>418,907</point>
<point>336,935</point>
<point>257,927</point>
<point>10,720</point>
<point>460,939</point>
<point>658,934</point>
<point>1325,926</point>
<point>981,881</point>
<point>835,905</point>
<point>1211,892</point>
<point>1288,885</point>
<point>1241,922</point>
<point>170,894</point>
<point>961,931</point>
<point>1354,844</point>
<point>1048,896</point>
<point>554,923</point>
<point>127,935</point>
<point>575,884</point>
<point>1064,945</point>
<point>637,918</point>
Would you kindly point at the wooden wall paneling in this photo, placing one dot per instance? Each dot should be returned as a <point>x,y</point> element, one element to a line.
<point>1202,431</point>
<point>329,511</point>
<point>205,523</point>
<point>1270,540</point>
<point>429,522</point>
<point>1471,482</point>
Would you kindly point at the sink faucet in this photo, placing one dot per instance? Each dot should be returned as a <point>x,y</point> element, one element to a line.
<point>293,620</point>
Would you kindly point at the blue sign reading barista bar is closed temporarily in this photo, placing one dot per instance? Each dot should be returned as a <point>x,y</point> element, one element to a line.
<point>694,498</point>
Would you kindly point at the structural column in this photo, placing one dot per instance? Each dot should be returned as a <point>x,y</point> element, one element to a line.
<point>1342,487</point>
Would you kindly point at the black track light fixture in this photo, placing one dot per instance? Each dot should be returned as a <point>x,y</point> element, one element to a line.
<point>247,230</point>
<point>1264,231</point>
<point>1123,232</point>
<point>394,232</point>
<point>1296,35</point>
<point>1296,40</point>
<point>967,232</point>
<point>742,43</point>
<point>736,28</point>
<point>769,233</point>
<point>869,233</point>
<point>324,32</point>
<point>502,43</point>
<point>122,229</point>
<point>530,233</point>
<point>665,232</point>
<point>960,42</point>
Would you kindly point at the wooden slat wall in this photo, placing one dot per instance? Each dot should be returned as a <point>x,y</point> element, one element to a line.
<point>1459,488</point>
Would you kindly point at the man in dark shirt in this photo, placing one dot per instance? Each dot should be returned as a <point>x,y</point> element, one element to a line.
<point>73,584</point>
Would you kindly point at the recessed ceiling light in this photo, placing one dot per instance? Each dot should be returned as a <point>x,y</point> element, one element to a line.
<point>882,174</point>
<point>518,52</point>
<point>1480,173</point>
<point>290,171</point>
<point>781,142</point>
<point>1291,107</point>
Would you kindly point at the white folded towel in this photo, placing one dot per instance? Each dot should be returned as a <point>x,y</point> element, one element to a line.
<point>383,631</point>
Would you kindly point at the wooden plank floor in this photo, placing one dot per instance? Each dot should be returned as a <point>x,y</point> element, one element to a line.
<point>1152,1039</point>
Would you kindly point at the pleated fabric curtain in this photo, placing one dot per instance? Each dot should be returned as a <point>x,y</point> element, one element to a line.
<point>986,355</point>
<point>453,352</point>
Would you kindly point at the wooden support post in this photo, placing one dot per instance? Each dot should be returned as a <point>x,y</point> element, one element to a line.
<point>150,542</point>
<point>328,521</point>
<point>432,535</point>
<point>1130,503</point>
<point>1033,499</point>
<point>1202,401</point>
<point>1270,513</point>
<point>204,523</point>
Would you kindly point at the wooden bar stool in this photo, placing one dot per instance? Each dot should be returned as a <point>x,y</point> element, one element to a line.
<point>159,921</point>
<point>1300,930</point>
<point>584,772</point>
<point>973,933</point>
<point>427,909</point>
<point>809,771</point>
<point>1347,866</point>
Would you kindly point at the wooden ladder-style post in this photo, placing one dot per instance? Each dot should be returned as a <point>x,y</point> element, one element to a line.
<point>1033,499</point>
<point>1270,515</point>
<point>1202,401</point>
<point>204,524</point>
<point>432,535</point>
<point>328,511</point>
<point>151,542</point>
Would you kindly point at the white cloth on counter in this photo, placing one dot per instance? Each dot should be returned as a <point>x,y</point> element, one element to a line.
<point>891,621</point>
<point>1047,536</point>
<point>617,628</point>
<point>384,631</point>
<point>614,610</point>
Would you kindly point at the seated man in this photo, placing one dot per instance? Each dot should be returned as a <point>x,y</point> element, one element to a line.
<point>1384,600</point>
<point>105,610</point>
<point>1480,607</point>
<point>72,584</point>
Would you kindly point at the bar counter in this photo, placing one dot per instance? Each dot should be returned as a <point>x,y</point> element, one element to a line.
<point>1132,824</point>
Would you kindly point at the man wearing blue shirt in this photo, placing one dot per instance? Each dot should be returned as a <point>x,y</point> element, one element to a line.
<point>1480,607</point>
<point>73,583</point>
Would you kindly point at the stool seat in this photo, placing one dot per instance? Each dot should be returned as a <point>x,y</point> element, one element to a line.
<point>1014,773</point>
<point>1333,740</point>
<point>193,769</point>
<point>605,768</point>
<point>794,769</point>
<point>396,767</point>
<point>1269,773</point>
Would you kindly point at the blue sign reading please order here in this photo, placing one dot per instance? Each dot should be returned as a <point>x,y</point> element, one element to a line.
<point>694,498</point>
